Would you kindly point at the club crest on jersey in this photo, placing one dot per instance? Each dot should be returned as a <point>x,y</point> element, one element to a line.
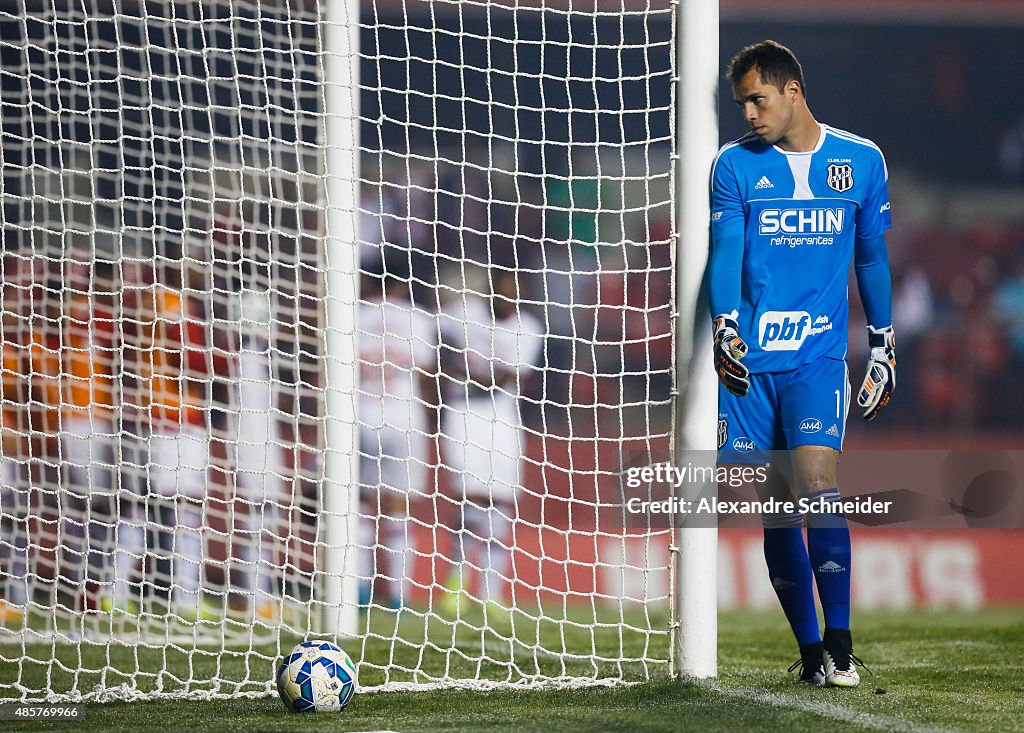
<point>723,432</point>
<point>840,177</point>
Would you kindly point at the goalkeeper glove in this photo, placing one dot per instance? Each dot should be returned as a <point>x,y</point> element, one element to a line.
<point>729,349</point>
<point>880,380</point>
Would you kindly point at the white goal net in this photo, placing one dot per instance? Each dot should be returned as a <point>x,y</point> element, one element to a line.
<point>212,448</point>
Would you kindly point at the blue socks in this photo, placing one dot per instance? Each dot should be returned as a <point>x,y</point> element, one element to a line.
<point>794,568</point>
<point>790,571</point>
<point>828,545</point>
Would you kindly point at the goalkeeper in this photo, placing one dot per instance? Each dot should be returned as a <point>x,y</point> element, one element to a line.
<point>791,202</point>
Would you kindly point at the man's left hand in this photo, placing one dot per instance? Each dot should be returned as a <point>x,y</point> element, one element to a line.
<point>880,379</point>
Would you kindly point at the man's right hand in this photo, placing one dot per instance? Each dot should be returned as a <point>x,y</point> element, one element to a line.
<point>729,350</point>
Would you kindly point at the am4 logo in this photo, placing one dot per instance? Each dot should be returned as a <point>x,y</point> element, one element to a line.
<point>810,425</point>
<point>743,444</point>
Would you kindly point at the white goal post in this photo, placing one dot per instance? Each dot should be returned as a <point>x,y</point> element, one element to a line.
<point>348,319</point>
<point>697,412</point>
<point>341,264</point>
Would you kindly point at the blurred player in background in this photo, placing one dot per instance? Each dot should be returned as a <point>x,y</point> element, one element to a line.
<point>260,469</point>
<point>32,407</point>
<point>41,370</point>
<point>175,370</point>
<point>791,202</point>
<point>89,441</point>
<point>14,493</point>
<point>498,345</point>
<point>397,391</point>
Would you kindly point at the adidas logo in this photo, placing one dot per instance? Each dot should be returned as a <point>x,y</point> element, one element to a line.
<point>782,583</point>
<point>833,431</point>
<point>831,567</point>
<point>764,183</point>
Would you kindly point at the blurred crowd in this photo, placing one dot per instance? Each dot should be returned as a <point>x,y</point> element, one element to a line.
<point>958,306</point>
<point>590,242</point>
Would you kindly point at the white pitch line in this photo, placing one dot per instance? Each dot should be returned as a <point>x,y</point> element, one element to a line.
<point>826,709</point>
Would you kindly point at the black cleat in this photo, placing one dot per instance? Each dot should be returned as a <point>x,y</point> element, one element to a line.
<point>812,670</point>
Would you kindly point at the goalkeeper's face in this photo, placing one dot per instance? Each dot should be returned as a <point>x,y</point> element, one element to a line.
<point>768,110</point>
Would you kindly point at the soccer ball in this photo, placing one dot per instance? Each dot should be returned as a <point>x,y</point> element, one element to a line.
<point>316,677</point>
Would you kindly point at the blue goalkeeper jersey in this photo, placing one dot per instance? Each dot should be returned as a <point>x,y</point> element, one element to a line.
<point>798,215</point>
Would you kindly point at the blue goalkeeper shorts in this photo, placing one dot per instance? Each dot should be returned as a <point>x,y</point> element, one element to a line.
<point>784,410</point>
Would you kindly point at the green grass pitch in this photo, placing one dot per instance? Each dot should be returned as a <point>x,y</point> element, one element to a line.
<point>933,671</point>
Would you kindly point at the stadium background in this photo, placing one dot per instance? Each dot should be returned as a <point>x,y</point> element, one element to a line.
<point>934,84</point>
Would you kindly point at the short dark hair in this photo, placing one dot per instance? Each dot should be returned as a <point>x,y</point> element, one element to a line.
<point>776,64</point>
